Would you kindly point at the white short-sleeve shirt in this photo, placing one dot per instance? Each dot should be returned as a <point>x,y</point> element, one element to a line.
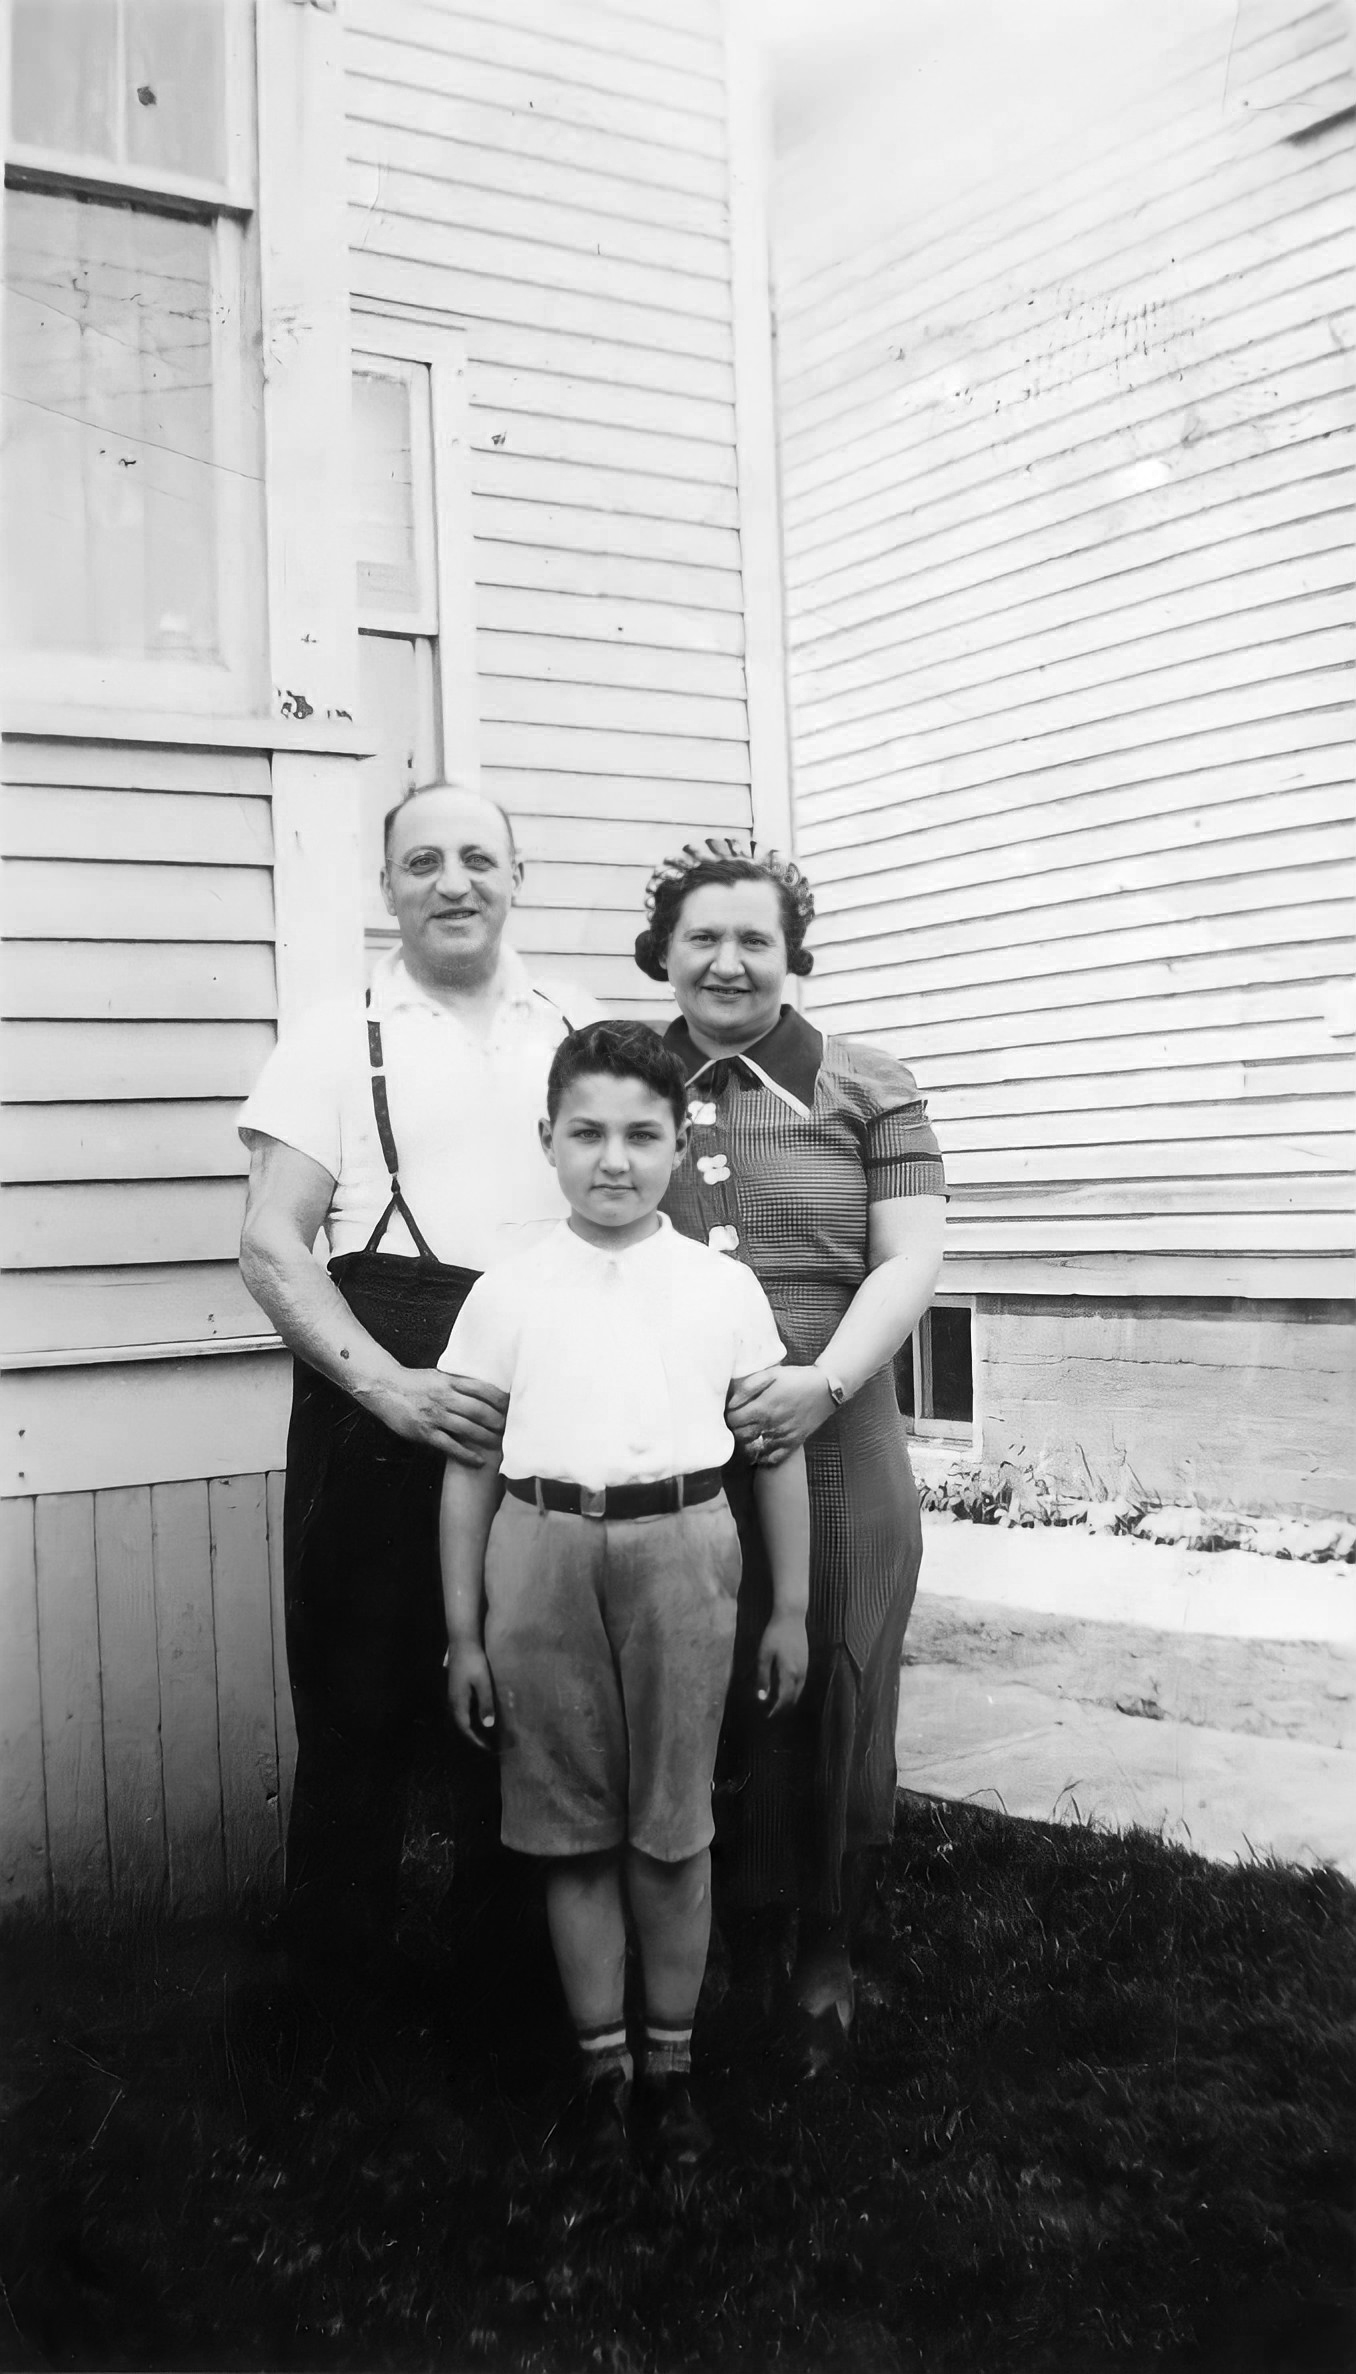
<point>616,1365</point>
<point>464,1112</point>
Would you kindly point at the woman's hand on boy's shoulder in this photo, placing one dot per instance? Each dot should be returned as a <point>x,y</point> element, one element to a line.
<point>470,1691</point>
<point>783,1657</point>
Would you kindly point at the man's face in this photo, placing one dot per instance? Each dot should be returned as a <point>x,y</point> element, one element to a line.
<point>449,881</point>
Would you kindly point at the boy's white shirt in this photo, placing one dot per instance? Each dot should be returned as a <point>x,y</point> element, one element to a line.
<point>617,1364</point>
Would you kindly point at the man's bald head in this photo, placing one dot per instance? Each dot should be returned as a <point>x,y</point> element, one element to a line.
<point>461,792</point>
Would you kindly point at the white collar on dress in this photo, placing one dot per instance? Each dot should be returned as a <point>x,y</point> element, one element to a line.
<point>394,986</point>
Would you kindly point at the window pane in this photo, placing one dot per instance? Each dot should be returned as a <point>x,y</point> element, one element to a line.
<point>175,86</point>
<point>383,494</point>
<point>108,466</point>
<point>953,1390</point>
<point>64,59</point>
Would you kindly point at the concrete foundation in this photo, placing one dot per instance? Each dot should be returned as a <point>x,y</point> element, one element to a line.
<point>1243,1404</point>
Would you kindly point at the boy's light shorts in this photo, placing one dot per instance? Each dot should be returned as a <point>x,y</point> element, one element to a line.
<point>610,1646</point>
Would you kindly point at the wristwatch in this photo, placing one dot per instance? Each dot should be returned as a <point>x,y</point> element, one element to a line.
<point>838,1392</point>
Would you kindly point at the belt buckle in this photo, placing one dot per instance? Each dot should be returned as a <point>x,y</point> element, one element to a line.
<point>592,1504</point>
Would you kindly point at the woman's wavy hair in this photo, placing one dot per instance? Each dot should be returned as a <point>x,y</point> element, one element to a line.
<point>718,860</point>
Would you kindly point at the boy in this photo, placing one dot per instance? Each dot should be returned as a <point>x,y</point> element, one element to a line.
<point>610,1571</point>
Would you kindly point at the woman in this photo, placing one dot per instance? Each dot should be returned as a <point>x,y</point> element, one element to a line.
<point>812,1160</point>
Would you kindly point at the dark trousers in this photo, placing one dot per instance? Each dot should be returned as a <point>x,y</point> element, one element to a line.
<point>365,1633</point>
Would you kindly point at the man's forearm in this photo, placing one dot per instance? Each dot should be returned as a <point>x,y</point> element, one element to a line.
<point>783,1497</point>
<point>312,1316</point>
<point>470,1496</point>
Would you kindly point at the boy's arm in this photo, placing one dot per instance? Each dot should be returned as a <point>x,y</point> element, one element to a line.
<point>783,1498</point>
<point>470,1497</point>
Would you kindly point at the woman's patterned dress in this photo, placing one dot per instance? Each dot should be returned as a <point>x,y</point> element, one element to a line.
<point>791,1143</point>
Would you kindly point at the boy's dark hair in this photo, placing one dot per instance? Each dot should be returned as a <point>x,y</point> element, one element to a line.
<point>624,1050</point>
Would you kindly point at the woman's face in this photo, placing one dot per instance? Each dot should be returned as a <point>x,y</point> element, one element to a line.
<point>727,961</point>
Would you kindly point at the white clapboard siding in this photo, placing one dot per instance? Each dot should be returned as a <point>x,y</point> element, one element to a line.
<point>138,992</point>
<point>173,1138</point>
<point>119,980</point>
<point>67,1223</point>
<point>554,180</point>
<point>55,1062</point>
<point>97,1309</point>
<point>1067,468</point>
<point>160,828</point>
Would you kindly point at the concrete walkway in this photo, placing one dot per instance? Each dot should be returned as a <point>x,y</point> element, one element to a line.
<point>1227,1786</point>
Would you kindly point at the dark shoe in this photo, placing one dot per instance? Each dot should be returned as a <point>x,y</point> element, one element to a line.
<point>673,2133</point>
<point>816,2041</point>
<point>591,2130</point>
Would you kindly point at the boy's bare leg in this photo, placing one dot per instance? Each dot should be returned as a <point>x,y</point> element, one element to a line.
<point>588,1932</point>
<point>671,1906</point>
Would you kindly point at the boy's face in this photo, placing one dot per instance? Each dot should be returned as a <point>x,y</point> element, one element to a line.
<point>613,1145</point>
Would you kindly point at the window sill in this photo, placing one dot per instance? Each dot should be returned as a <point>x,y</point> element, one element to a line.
<point>45,721</point>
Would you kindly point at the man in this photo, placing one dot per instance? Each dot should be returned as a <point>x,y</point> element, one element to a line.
<point>409,1134</point>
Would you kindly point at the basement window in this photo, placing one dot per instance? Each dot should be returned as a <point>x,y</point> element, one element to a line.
<point>934,1373</point>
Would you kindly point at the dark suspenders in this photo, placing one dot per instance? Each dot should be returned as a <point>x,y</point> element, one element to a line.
<point>381,1107</point>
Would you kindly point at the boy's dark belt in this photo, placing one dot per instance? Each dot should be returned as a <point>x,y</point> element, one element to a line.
<point>662,1499</point>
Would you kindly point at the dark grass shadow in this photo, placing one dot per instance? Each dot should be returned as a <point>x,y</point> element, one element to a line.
<point>1098,2112</point>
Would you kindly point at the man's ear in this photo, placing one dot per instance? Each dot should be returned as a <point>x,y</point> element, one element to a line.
<point>680,1143</point>
<point>387,898</point>
<point>518,870</point>
<point>544,1134</point>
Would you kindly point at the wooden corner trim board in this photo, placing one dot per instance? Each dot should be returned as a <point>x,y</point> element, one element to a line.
<point>756,435</point>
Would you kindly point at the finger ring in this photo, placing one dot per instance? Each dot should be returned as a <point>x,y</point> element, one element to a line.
<point>756,1445</point>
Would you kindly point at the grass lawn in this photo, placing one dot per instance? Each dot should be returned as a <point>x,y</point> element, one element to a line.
<point>1101,2111</point>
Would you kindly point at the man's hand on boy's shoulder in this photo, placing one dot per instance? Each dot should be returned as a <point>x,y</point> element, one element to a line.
<point>470,1690</point>
<point>783,1657</point>
<point>461,1417</point>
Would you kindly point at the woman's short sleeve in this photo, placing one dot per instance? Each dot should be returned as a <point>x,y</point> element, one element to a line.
<point>900,1155</point>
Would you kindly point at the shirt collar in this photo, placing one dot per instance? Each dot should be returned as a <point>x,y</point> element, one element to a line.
<point>579,1249</point>
<point>786,1060</point>
<point>394,986</point>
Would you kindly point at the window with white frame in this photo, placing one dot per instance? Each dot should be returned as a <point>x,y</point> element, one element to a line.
<point>934,1373</point>
<point>131,468</point>
<point>412,555</point>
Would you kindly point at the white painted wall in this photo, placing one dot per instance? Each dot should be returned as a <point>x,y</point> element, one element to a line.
<point>555,180</point>
<point>1063,324</point>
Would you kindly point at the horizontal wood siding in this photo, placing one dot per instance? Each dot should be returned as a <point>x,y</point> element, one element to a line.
<point>138,982</point>
<point>1066,472</point>
<point>553,181</point>
<point>145,1735</point>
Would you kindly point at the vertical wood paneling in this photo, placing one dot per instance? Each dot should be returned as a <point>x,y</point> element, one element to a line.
<point>246,1727</point>
<point>131,1692</point>
<point>72,1704</point>
<point>286,1728</point>
<point>24,1873</point>
<point>182,1552</point>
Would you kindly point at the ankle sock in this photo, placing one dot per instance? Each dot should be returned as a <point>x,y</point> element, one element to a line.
<point>604,2052</point>
<point>668,2050</point>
